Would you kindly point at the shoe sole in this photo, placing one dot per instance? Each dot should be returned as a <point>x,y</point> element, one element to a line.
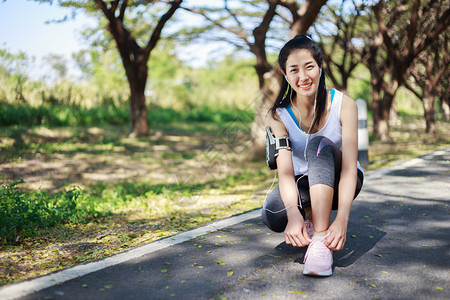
<point>324,273</point>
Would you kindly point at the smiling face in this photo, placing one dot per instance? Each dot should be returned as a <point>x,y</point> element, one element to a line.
<point>303,72</point>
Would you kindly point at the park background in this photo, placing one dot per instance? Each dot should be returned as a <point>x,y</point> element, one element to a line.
<point>83,179</point>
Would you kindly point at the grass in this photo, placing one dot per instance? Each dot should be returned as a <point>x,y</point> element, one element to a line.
<point>133,191</point>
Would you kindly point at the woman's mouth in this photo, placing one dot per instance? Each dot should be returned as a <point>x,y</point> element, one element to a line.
<point>306,86</point>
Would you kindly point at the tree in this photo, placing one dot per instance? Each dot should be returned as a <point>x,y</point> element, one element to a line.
<point>405,29</point>
<point>58,64</point>
<point>134,57</point>
<point>15,66</point>
<point>425,77</point>
<point>119,15</point>
<point>342,44</point>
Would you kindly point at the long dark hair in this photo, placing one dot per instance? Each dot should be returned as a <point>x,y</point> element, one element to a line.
<point>300,42</point>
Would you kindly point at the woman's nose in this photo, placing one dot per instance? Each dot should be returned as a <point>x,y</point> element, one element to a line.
<point>302,76</point>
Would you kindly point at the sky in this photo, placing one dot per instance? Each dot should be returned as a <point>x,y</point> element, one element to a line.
<point>23,28</point>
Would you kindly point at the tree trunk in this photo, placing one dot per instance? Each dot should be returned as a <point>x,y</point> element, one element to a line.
<point>265,102</point>
<point>428,107</point>
<point>137,74</point>
<point>381,107</point>
<point>446,108</point>
<point>393,115</point>
<point>138,115</point>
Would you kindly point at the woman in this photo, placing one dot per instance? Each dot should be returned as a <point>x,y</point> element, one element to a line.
<point>321,172</point>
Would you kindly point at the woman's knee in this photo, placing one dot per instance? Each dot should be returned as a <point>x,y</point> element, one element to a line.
<point>316,144</point>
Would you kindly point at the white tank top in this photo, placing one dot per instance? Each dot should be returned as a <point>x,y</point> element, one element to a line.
<point>331,130</point>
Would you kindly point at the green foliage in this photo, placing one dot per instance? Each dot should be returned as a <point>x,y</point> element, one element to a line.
<point>61,115</point>
<point>22,213</point>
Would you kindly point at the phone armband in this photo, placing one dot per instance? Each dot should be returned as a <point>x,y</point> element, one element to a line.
<point>273,144</point>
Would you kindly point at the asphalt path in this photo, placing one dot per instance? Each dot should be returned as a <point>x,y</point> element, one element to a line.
<point>397,248</point>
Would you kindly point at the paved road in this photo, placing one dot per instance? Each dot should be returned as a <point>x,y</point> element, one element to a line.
<point>397,248</point>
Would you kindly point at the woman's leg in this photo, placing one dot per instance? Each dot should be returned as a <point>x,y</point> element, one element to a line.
<point>324,170</point>
<point>324,163</point>
<point>273,212</point>
<point>324,167</point>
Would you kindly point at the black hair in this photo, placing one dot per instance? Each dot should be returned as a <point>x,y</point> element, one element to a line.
<point>300,42</point>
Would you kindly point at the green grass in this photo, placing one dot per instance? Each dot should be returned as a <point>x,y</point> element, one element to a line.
<point>25,115</point>
<point>22,214</point>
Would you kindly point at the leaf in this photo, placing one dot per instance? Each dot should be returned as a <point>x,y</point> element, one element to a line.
<point>84,286</point>
<point>167,263</point>
<point>373,285</point>
<point>230,273</point>
<point>439,288</point>
<point>353,236</point>
<point>109,286</point>
<point>298,292</point>
<point>164,271</point>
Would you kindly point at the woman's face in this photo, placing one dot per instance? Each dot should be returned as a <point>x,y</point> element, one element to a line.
<point>303,72</point>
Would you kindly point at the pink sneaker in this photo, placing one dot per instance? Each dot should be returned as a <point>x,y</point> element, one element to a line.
<point>318,260</point>
<point>309,228</point>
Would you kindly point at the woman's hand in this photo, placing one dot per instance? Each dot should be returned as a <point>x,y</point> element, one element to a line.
<point>295,232</point>
<point>337,234</point>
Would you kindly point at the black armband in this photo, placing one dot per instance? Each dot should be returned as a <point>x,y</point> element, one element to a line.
<point>273,144</point>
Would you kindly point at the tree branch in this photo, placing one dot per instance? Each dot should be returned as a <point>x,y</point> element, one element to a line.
<point>239,33</point>
<point>441,24</point>
<point>233,15</point>
<point>414,91</point>
<point>159,27</point>
<point>122,9</point>
<point>412,27</point>
<point>104,9</point>
<point>383,29</point>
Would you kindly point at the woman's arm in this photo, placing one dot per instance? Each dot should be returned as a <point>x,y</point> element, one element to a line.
<point>348,178</point>
<point>295,232</point>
